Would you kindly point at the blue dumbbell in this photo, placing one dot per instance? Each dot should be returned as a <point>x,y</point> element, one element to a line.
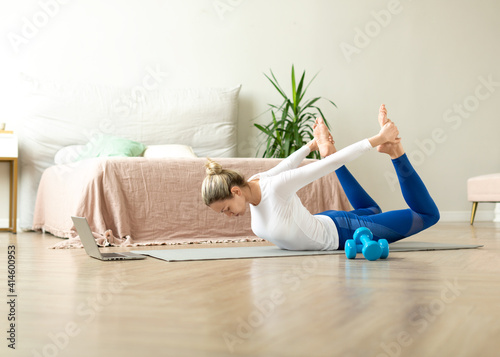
<point>363,243</point>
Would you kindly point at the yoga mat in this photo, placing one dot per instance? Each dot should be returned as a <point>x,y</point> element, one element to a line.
<point>174,255</point>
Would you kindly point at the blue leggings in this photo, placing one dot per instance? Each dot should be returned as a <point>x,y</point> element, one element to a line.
<point>393,225</point>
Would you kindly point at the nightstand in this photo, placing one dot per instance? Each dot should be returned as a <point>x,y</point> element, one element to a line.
<point>9,153</point>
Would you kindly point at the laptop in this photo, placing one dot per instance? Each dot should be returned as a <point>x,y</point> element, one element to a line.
<point>90,245</point>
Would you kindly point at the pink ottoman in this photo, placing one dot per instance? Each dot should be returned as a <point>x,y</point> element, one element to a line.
<point>484,188</point>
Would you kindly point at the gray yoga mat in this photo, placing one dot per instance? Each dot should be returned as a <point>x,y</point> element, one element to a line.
<point>173,255</point>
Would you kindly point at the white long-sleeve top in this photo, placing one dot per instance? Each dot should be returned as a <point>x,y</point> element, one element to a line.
<point>281,218</point>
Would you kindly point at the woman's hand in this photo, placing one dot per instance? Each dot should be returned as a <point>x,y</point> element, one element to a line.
<point>388,134</point>
<point>313,145</point>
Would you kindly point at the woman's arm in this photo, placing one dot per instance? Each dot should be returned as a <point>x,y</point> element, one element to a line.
<point>293,180</point>
<point>293,161</point>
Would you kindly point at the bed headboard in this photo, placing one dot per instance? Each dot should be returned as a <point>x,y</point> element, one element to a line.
<point>62,114</point>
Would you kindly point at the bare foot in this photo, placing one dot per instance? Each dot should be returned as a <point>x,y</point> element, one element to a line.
<point>326,144</point>
<point>382,115</point>
<point>394,150</point>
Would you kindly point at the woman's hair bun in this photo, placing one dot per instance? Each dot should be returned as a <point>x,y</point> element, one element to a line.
<point>213,168</point>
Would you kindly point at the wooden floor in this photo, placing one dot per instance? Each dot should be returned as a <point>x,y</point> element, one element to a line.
<point>441,303</point>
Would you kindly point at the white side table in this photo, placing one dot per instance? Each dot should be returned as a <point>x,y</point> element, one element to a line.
<point>9,153</point>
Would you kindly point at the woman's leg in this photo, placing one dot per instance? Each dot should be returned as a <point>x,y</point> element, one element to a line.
<point>393,225</point>
<point>362,203</point>
<point>359,199</point>
<point>422,212</point>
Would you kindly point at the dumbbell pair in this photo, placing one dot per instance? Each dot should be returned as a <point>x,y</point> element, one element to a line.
<point>363,243</point>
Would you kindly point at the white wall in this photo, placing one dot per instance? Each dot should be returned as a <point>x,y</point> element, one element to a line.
<point>428,61</point>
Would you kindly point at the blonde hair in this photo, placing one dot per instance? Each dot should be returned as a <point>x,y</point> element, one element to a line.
<point>218,183</point>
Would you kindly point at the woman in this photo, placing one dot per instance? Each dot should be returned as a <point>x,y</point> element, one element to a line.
<point>279,217</point>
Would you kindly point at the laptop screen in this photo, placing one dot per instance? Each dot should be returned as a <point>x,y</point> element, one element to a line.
<point>86,236</point>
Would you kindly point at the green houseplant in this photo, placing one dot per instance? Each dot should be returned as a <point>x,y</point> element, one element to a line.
<point>292,121</point>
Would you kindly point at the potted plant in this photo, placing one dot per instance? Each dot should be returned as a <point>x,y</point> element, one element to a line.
<point>292,121</point>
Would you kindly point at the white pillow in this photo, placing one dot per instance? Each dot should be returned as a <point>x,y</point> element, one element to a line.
<point>68,154</point>
<point>172,150</point>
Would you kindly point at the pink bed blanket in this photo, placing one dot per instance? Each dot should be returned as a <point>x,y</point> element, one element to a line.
<point>145,201</point>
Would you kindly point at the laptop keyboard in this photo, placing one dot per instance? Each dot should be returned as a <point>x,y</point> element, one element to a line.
<point>113,255</point>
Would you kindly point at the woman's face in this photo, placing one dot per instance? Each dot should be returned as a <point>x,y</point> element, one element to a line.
<point>232,207</point>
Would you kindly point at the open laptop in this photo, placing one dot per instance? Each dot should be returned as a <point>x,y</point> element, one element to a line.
<point>90,245</point>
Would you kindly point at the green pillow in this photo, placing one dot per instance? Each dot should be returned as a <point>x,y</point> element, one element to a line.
<point>108,145</point>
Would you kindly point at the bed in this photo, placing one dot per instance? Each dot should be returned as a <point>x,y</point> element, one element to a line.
<point>149,200</point>
<point>155,201</point>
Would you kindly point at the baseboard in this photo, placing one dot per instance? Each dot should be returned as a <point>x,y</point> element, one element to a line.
<point>497,213</point>
<point>464,216</point>
<point>4,223</point>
